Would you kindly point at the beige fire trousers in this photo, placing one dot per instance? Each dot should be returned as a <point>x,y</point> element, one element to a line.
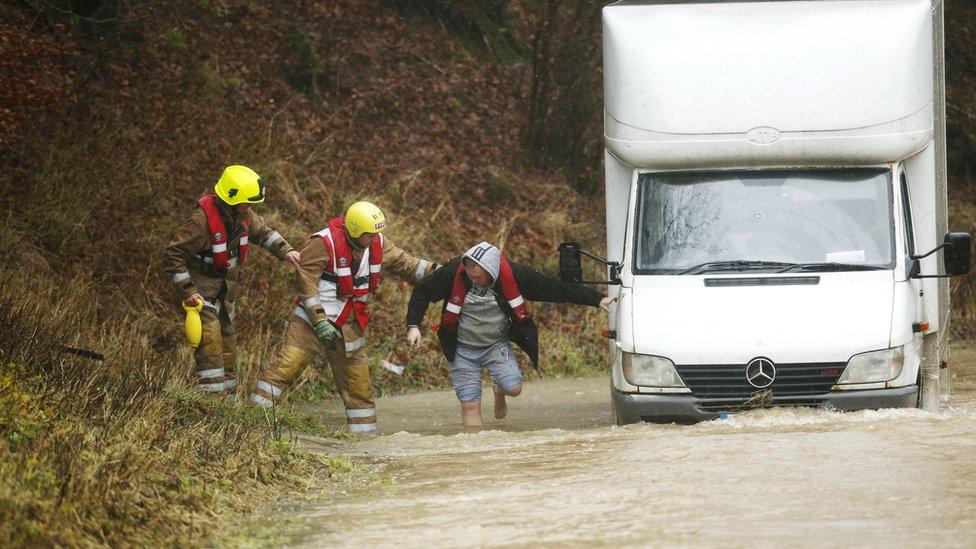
<point>349,370</point>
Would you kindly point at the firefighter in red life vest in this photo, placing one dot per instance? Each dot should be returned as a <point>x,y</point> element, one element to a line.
<point>204,262</point>
<point>340,268</point>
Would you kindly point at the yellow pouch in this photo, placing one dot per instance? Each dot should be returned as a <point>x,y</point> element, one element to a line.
<point>192,324</point>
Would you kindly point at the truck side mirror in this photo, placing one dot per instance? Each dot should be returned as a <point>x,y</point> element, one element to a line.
<point>571,265</point>
<point>957,257</point>
<point>570,262</point>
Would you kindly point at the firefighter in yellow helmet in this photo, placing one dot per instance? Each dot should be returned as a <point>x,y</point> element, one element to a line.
<point>340,267</point>
<point>204,262</point>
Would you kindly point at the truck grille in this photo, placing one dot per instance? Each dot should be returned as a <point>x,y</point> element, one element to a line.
<point>725,388</point>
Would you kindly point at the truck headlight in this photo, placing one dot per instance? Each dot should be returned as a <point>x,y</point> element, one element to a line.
<point>875,366</point>
<point>650,371</point>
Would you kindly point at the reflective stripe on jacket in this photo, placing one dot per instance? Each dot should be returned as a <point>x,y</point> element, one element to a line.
<point>318,287</point>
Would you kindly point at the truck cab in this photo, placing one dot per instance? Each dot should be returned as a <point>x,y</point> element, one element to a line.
<point>776,206</point>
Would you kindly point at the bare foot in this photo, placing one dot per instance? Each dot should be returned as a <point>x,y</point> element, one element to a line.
<point>501,407</point>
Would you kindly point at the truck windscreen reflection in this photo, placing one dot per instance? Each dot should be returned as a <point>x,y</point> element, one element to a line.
<point>768,218</point>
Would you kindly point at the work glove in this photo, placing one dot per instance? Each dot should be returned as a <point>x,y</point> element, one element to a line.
<point>413,336</point>
<point>327,333</point>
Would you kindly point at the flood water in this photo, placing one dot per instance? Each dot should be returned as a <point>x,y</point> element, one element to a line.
<point>556,473</point>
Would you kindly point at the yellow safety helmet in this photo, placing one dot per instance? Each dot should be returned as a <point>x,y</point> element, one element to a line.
<point>364,217</point>
<point>240,185</point>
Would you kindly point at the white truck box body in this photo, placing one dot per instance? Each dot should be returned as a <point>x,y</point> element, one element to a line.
<point>759,85</point>
<point>767,83</point>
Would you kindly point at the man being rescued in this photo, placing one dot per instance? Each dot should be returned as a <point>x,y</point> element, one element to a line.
<point>484,309</point>
<point>340,267</point>
<point>204,262</point>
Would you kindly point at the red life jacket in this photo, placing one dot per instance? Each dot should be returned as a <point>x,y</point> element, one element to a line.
<point>510,290</point>
<point>218,234</point>
<point>341,269</point>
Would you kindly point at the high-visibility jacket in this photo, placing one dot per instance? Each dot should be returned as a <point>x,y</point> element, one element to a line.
<point>218,255</point>
<point>341,291</point>
<point>185,258</point>
<point>319,292</point>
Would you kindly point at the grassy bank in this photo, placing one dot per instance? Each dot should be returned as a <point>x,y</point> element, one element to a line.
<point>123,452</point>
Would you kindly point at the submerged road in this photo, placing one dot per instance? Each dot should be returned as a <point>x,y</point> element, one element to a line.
<point>556,473</point>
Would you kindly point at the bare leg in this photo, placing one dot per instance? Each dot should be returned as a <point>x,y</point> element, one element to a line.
<point>501,407</point>
<point>471,414</point>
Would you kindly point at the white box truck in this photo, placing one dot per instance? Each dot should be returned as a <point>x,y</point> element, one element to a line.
<point>775,206</point>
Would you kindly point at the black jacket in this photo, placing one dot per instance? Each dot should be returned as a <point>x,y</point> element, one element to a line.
<point>533,285</point>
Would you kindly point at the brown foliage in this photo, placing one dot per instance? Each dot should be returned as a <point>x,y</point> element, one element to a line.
<point>564,126</point>
<point>331,102</point>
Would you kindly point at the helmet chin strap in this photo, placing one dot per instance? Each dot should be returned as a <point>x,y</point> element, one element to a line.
<point>353,241</point>
<point>230,210</point>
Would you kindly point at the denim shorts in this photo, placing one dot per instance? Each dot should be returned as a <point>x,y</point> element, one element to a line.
<point>498,359</point>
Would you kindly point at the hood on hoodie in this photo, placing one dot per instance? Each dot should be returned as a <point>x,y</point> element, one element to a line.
<point>488,256</point>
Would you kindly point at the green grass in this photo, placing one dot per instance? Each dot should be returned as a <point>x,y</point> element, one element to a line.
<point>124,452</point>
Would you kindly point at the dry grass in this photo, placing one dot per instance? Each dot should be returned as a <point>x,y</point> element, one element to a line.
<point>122,452</point>
<point>962,217</point>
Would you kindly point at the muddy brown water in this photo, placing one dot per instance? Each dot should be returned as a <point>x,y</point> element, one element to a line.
<point>556,473</point>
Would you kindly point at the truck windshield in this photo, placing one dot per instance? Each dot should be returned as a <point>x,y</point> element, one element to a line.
<point>773,220</point>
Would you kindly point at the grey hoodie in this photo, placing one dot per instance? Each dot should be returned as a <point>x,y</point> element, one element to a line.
<point>482,322</point>
<point>487,256</point>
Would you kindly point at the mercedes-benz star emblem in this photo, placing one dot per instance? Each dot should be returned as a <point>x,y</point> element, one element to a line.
<point>760,373</point>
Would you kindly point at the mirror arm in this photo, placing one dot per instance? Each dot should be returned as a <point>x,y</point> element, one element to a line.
<point>600,259</point>
<point>946,245</point>
<point>614,270</point>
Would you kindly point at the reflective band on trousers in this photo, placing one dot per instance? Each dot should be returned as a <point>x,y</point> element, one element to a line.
<point>361,412</point>
<point>360,427</point>
<point>421,268</point>
<point>210,387</point>
<point>231,263</point>
<point>230,384</point>
<point>261,401</point>
<point>269,388</point>
<point>211,374</point>
<point>355,344</point>
<point>180,277</point>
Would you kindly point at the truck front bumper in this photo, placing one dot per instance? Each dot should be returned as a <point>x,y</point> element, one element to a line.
<point>684,408</point>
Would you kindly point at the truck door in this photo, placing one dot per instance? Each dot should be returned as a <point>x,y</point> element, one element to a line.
<point>908,230</point>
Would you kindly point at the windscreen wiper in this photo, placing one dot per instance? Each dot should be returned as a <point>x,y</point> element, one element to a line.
<point>739,265</point>
<point>831,266</point>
